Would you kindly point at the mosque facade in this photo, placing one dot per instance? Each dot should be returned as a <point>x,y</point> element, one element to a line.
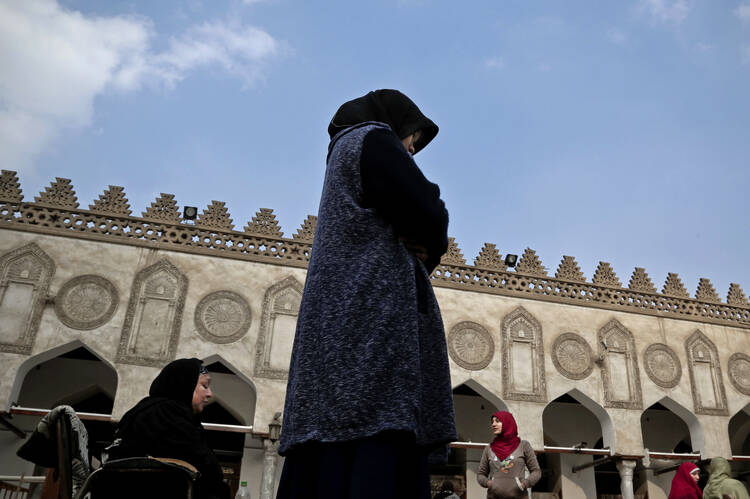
<point>612,384</point>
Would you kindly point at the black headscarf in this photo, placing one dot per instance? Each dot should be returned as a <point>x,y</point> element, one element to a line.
<point>177,380</point>
<point>386,106</point>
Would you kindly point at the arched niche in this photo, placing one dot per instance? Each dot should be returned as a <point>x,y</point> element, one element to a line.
<point>25,275</point>
<point>706,382</point>
<point>523,357</point>
<point>151,329</point>
<point>474,406</point>
<point>619,369</point>
<point>59,380</point>
<point>667,426</point>
<point>574,419</point>
<point>235,391</point>
<point>278,322</point>
<point>739,432</point>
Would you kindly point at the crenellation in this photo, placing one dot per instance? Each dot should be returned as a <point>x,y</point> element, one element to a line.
<point>10,187</point>
<point>490,258</point>
<point>264,223</point>
<point>569,270</point>
<point>112,201</point>
<point>736,296</point>
<point>640,281</point>
<point>706,291</point>
<point>453,256</point>
<point>164,209</point>
<point>306,233</point>
<point>216,216</point>
<point>531,264</point>
<point>605,276</point>
<point>60,194</point>
<point>673,286</point>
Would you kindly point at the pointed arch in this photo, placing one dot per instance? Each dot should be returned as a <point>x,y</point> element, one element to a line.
<point>152,322</point>
<point>706,382</point>
<point>620,375</point>
<point>277,326</point>
<point>237,396</point>
<point>25,275</point>
<point>474,405</point>
<point>51,354</point>
<point>602,416</point>
<point>523,357</point>
<point>691,422</point>
<point>739,432</point>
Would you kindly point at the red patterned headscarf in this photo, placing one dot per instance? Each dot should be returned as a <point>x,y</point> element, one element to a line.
<point>505,443</point>
<point>683,485</point>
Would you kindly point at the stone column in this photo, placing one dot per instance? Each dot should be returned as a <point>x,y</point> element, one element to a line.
<point>270,458</point>
<point>626,467</point>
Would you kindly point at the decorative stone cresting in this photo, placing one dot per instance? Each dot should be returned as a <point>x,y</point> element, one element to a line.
<point>489,258</point>
<point>10,187</point>
<point>112,201</point>
<point>572,356</point>
<point>530,264</point>
<point>706,291</point>
<point>264,223</point>
<point>739,372</point>
<point>471,346</point>
<point>277,327</point>
<point>662,365</point>
<point>620,376</point>
<point>222,317</point>
<point>86,302</point>
<point>262,241</point>
<point>25,275</point>
<point>216,216</point>
<point>673,286</point>
<point>569,270</point>
<point>523,358</point>
<point>605,276</point>
<point>453,256</point>
<point>640,281</point>
<point>306,233</point>
<point>706,381</point>
<point>164,209</point>
<point>152,322</point>
<point>59,194</point>
<point>736,296</point>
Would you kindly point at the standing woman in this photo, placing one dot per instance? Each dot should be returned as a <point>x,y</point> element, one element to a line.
<point>685,482</point>
<point>369,393</point>
<point>504,460</point>
<point>721,484</point>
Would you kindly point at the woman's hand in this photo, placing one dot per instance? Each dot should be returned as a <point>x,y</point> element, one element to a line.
<point>415,248</point>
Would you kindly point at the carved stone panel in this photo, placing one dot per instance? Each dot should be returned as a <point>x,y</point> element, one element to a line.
<point>277,327</point>
<point>706,383</point>
<point>523,358</point>
<point>620,375</point>
<point>25,275</point>
<point>572,356</point>
<point>739,372</point>
<point>222,317</point>
<point>470,346</point>
<point>86,302</point>
<point>662,365</point>
<point>154,316</point>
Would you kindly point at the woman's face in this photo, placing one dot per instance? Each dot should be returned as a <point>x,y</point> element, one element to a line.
<point>202,393</point>
<point>410,140</point>
<point>497,426</point>
<point>695,474</point>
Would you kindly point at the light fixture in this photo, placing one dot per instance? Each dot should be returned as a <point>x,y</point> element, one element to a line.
<point>189,212</point>
<point>511,260</point>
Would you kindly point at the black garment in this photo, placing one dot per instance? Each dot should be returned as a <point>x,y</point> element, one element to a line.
<point>386,106</point>
<point>395,187</point>
<point>388,465</point>
<point>163,425</point>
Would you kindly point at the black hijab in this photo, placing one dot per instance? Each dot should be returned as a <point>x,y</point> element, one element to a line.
<point>177,380</point>
<point>386,106</point>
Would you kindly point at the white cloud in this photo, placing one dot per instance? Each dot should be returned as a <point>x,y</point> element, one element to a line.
<point>667,11</point>
<point>616,36</point>
<point>494,63</point>
<point>743,13</point>
<point>55,62</point>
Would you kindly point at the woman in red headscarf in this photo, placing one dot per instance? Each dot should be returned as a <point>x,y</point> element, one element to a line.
<point>685,482</point>
<point>505,460</point>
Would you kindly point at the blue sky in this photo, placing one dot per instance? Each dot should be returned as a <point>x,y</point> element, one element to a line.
<point>614,131</point>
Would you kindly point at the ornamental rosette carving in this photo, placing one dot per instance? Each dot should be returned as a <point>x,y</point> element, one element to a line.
<point>739,372</point>
<point>572,356</point>
<point>470,346</point>
<point>86,302</point>
<point>662,365</point>
<point>222,317</point>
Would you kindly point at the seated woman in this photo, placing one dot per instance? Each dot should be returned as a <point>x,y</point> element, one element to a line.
<point>166,424</point>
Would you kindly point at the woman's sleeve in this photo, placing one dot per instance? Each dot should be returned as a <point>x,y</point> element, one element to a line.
<point>535,472</point>
<point>394,186</point>
<point>484,469</point>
